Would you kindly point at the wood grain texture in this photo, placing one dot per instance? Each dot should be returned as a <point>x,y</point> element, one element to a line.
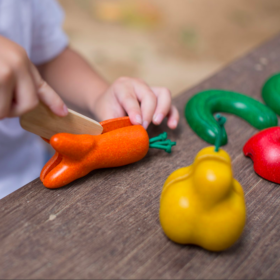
<point>43,122</point>
<point>106,224</point>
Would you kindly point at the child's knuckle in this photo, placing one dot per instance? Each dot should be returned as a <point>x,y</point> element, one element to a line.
<point>19,58</point>
<point>139,80</point>
<point>41,85</point>
<point>123,79</point>
<point>6,74</point>
<point>166,91</point>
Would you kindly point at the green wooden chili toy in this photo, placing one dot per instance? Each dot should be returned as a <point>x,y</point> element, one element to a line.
<point>271,93</point>
<point>201,107</point>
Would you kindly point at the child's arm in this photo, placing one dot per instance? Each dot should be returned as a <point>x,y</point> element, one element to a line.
<point>21,86</point>
<point>78,84</point>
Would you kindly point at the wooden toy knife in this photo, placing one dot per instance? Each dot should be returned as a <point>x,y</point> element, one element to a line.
<point>43,122</point>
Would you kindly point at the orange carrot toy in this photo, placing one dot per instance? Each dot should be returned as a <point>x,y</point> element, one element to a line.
<point>121,143</point>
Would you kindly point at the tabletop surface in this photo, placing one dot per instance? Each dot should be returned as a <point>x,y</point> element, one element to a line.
<point>106,224</point>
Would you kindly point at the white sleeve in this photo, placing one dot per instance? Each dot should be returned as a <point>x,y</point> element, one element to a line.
<point>48,37</point>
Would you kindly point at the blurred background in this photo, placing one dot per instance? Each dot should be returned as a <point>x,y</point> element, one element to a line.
<point>172,43</point>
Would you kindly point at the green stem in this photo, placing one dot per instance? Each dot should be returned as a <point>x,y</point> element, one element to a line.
<point>221,121</point>
<point>161,147</point>
<point>161,137</point>
<point>166,142</point>
<point>160,142</point>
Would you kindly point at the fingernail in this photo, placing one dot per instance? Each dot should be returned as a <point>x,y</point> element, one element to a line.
<point>65,110</point>
<point>158,118</point>
<point>145,124</point>
<point>138,119</point>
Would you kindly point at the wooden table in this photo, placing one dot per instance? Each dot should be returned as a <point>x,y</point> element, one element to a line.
<point>106,225</point>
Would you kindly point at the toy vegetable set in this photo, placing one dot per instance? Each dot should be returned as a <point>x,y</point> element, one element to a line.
<point>200,204</point>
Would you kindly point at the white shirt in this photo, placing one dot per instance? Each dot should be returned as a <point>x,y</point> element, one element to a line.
<point>36,26</point>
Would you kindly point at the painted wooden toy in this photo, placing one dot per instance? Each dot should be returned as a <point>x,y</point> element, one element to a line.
<point>203,204</point>
<point>121,143</point>
<point>201,107</point>
<point>264,149</point>
<point>271,93</point>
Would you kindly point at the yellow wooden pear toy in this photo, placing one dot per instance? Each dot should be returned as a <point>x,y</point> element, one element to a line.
<point>203,204</point>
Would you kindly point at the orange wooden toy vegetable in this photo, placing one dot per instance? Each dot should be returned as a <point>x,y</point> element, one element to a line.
<point>120,143</point>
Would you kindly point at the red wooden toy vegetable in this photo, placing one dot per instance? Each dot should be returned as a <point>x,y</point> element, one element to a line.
<point>264,149</point>
<point>121,143</point>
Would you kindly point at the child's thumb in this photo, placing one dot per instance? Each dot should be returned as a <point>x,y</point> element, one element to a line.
<point>47,95</point>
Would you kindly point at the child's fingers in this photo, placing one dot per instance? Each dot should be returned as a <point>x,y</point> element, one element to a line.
<point>5,102</point>
<point>47,95</point>
<point>7,84</point>
<point>163,104</point>
<point>148,102</point>
<point>173,117</point>
<point>25,97</point>
<point>126,96</point>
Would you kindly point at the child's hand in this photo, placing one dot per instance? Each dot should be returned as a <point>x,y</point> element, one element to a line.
<point>21,86</point>
<point>140,102</point>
